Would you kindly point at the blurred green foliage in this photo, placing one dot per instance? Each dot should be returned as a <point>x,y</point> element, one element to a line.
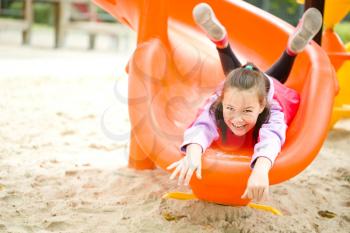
<point>290,11</point>
<point>43,12</point>
<point>343,30</point>
<point>11,9</point>
<point>287,10</point>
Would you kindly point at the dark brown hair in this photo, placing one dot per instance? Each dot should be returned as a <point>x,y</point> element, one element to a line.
<point>244,78</point>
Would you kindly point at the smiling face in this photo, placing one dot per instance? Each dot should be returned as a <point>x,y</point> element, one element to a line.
<point>241,109</point>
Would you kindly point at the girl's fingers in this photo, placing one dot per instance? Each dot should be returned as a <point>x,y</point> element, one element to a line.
<point>188,176</point>
<point>265,195</point>
<point>259,194</point>
<point>255,192</point>
<point>182,174</point>
<point>171,166</point>
<point>250,194</point>
<point>262,194</point>
<point>244,196</point>
<point>199,172</point>
<point>177,169</point>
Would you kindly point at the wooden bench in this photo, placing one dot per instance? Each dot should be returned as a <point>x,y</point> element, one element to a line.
<point>24,24</point>
<point>91,26</point>
<point>62,13</point>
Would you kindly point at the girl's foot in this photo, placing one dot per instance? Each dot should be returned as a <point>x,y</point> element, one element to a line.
<point>307,28</point>
<point>204,16</point>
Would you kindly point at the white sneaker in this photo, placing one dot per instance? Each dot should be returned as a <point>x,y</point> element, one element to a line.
<point>307,28</point>
<point>204,16</point>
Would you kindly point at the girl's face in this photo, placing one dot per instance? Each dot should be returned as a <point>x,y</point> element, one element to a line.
<point>241,109</point>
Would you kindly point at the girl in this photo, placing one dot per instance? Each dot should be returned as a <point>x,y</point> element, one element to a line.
<point>249,103</point>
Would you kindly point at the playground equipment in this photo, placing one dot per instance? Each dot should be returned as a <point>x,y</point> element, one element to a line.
<point>339,54</point>
<point>334,12</point>
<point>175,68</point>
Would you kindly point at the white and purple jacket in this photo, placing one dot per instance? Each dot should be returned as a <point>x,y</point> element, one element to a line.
<point>284,103</point>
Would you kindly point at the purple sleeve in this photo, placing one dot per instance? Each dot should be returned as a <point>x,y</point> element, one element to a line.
<point>272,135</point>
<point>203,130</point>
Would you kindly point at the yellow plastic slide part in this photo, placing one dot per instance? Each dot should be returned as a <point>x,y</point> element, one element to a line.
<point>180,196</point>
<point>265,208</point>
<point>191,196</point>
<point>341,108</point>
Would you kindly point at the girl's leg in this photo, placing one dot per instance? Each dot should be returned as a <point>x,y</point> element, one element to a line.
<point>204,16</point>
<point>281,68</point>
<point>228,59</point>
<point>307,28</point>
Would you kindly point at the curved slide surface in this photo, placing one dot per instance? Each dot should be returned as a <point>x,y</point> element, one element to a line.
<point>175,68</point>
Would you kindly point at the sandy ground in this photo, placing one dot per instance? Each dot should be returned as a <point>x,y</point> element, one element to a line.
<point>60,171</point>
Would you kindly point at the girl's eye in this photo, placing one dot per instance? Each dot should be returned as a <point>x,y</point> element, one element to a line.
<point>248,111</point>
<point>229,108</point>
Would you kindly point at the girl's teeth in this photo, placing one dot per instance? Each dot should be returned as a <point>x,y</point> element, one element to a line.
<point>238,126</point>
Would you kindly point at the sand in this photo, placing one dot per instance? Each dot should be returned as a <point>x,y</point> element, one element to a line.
<point>61,171</point>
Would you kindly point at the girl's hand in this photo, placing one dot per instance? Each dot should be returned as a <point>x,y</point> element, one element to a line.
<point>188,164</point>
<point>258,182</point>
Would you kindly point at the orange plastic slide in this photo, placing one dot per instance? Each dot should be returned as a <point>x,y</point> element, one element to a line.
<point>175,68</point>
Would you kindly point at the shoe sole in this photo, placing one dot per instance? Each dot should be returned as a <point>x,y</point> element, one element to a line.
<point>311,24</point>
<point>202,13</point>
<point>204,16</point>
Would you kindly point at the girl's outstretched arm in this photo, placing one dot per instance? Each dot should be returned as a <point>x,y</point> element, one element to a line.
<point>197,138</point>
<point>258,182</point>
<point>272,135</point>
<point>189,164</point>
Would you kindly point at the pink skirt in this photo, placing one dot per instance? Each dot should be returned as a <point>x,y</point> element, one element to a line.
<point>288,98</point>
